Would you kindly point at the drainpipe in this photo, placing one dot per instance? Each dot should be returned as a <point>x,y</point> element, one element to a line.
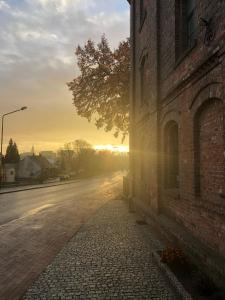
<point>132,98</point>
<point>158,101</point>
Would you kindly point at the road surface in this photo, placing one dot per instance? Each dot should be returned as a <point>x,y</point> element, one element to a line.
<point>35,224</point>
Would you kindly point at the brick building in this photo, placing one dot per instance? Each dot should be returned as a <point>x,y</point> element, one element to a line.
<point>177,137</point>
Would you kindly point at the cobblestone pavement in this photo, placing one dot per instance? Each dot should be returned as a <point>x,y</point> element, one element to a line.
<point>109,258</point>
<point>36,224</point>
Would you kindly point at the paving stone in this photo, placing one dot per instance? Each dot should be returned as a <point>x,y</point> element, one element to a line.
<point>109,258</point>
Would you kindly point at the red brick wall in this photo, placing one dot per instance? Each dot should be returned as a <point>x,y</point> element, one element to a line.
<point>144,128</point>
<point>179,91</point>
<point>202,213</point>
<point>210,147</point>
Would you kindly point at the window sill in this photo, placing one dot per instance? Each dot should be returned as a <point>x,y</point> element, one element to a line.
<point>185,54</point>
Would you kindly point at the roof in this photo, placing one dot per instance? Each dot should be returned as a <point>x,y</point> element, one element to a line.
<point>41,161</point>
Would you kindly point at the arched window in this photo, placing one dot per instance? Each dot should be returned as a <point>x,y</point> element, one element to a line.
<point>209,149</point>
<point>185,13</point>
<point>171,155</point>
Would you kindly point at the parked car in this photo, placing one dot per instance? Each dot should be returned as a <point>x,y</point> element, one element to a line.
<point>64,177</point>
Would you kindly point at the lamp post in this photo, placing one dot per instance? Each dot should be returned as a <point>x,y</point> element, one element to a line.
<point>2,131</point>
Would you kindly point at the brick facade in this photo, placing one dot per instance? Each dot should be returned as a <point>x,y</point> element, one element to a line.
<point>177,138</point>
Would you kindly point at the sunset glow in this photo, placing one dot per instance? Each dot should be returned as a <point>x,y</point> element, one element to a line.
<point>45,34</point>
<point>113,148</point>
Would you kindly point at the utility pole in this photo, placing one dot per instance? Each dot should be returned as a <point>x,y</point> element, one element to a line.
<point>2,132</point>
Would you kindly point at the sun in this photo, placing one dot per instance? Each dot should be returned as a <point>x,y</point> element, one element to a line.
<point>112,148</point>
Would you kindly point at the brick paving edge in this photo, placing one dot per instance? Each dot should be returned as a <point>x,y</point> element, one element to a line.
<point>176,284</point>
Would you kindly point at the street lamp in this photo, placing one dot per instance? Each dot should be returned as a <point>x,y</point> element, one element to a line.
<point>3,116</point>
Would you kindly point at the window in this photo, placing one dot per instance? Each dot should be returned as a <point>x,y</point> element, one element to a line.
<point>190,23</point>
<point>209,149</point>
<point>143,81</point>
<point>142,160</point>
<point>142,167</point>
<point>171,155</point>
<point>185,25</point>
<point>141,9</point>
<point>142,12</point>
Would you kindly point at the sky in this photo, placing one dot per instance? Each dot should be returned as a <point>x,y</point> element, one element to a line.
<point>37,44</point>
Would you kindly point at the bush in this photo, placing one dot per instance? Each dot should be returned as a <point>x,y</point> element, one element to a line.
<point>173,255</point>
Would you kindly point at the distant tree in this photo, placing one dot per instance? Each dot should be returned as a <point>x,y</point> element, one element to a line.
<point>79,145</point>
<point>61,162</point>
<point>101,91</point>
<point>80,157</point>
<point>12,154</point>
<point>68,155</point>
<point>86,161</point>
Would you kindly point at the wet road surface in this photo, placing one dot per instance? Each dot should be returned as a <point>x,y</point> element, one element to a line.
<point>36,224</point>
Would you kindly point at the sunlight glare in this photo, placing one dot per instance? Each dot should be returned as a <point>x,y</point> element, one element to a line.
<point>112,148</point>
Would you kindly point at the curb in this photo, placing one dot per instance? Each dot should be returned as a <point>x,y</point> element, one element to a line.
<point>37,187</point>
<point>177,286</point>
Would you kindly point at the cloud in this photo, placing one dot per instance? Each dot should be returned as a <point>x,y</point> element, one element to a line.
<point>38,39</point>
<point>61,6</point>
<point>49,28</point>
<point>4,6</point>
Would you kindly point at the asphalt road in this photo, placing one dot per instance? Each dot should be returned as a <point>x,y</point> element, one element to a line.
<point>35,224</point>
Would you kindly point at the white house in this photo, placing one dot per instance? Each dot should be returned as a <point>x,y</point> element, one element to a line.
<point>32,167</point>
<point>9,173</point>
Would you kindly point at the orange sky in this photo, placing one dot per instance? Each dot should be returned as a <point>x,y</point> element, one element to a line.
<point>38,39</point>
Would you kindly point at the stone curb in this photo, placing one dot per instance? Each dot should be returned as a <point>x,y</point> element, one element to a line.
<point>178,287</point>
<point>37,187</point>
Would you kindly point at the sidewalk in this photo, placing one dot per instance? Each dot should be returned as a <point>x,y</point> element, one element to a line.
<point>109,258</point>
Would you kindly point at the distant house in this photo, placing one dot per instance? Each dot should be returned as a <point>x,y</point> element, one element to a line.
<point>34,167</point>
<point>25,154</point>
<point>9,173</point>
<point>50,156</point>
